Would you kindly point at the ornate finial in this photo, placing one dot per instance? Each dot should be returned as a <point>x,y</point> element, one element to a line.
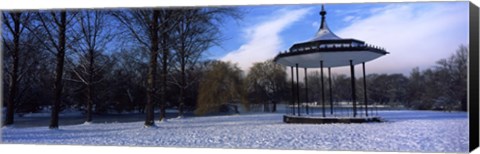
<point>323,32</point>
<point>323,13</point>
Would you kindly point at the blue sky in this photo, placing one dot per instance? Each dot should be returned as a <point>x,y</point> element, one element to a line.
<point>415,34</point>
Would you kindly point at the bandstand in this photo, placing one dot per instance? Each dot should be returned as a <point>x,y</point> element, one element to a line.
<point>327,50</point>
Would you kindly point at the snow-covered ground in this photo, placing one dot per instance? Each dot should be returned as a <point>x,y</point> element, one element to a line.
<point>413,131</point>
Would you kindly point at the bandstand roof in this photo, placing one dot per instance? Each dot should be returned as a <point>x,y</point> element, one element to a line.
<point>327,47</point>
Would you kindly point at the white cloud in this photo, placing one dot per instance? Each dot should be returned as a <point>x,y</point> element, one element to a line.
<point>348,18</point>
<point>414,36</point>
<point>263,39</point>
<point>315,24</point>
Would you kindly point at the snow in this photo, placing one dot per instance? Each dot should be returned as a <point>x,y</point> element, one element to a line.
<point>409,131</point>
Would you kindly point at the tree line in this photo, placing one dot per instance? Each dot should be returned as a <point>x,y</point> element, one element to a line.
<point>441,87</point>
<point>103,60</point>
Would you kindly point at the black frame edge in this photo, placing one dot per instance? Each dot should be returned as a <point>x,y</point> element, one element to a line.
<point>473,111</point>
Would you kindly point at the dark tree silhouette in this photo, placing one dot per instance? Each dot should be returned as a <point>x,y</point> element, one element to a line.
<point>268,81</point>
<point>53,26</point>
<point>94,36</point>
<point>150,27</point>
<point>15,23</point>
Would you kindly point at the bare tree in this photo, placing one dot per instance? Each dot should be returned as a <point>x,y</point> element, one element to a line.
<point>341,84</point>
<point>128,76</point>
<point>53,26</point>
<point>443,87</point>
<point>31,69</point>
<point>268,80</point>
<point>453,76</point>
<point>15,22</point>
<point>196,31</point>
<point>166,17</point>
<point>314,85</point>
<point>94,35</point>
<point>150,27</point>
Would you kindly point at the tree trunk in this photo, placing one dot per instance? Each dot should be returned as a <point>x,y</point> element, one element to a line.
<point>182,88</point>
<point>60,56</point>
<point>149,120</point>
<point>13,88</point>
<point>274,109</point>
<point>164,74</point>
<point>266,106</point>
<point>89,103</point>
<point>463,102</point>
<point>90,86</point>
<point>164,79</point>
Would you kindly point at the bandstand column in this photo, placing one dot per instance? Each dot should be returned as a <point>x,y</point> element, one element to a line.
<point>306,90</point>
<point>330,90</point>
<point>323,89</point>
<point>365,90</point>
<point>293,92</point>
<point>298,91</point>
<point>354,98</point>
